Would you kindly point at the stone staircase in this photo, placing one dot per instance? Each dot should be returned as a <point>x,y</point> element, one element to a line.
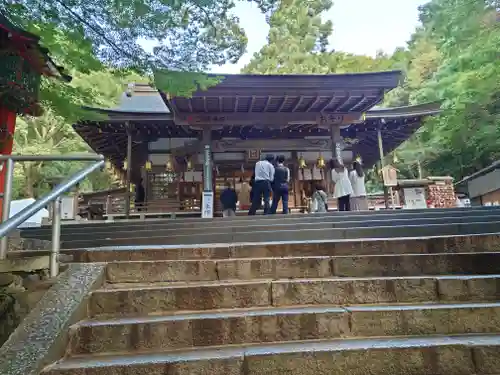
<point>367,305</point>
<point>382,224</point>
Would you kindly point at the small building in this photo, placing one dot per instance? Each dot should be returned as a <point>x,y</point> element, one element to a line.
<point>482,187</point>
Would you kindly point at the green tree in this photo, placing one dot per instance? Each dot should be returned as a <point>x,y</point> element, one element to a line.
<point>87,36</point>
<point>454,58</point>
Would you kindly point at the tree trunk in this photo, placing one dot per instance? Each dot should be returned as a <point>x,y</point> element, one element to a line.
<point>28,180</point>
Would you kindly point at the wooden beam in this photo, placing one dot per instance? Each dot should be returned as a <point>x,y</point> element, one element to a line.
<point>313,103</point>
<point>236,101</point>
<point>268,119</point>
<point>250,107</point>
<point>298,103</point>
<point>268,100</point>
<point>328,103</point>
<point>285,98</point>
<point>361,102</point>
<point>205,104</point>
<point>272,145</point>
<point>220,104</point>
<point>342,103</point>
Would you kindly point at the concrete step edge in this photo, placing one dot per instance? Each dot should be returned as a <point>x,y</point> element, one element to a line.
<point>309,257</point>
<point>271,243</point>
<point>267,311</point>
<point>196,284</point>
<point>241,351</point>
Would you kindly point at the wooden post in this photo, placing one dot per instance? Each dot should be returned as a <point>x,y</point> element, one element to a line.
<point>129,171</point>
<point>8,123</point>
<point>382,165</point>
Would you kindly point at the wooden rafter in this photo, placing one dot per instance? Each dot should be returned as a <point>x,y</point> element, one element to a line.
<point>360,103</point>
<point>285,98</point>
<point>313,103</point>
<point>327,104</point>
<point>342,103</point>
<point>268,101</point>
<point>252,101</point>
<point>299,101</point>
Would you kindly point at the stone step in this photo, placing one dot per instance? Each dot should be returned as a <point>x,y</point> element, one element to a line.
<point>142,299</point>
<point>259,226</point>
<point>134,224</point>
<point>388,231</point>
<point>457,355</point>
<point>426,245</point>
<point>305,267</point>
<point>267,325</point>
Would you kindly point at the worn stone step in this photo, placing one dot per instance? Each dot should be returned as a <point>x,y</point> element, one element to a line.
<point>304,267</point>
<point>438,244</point>
<point>135,224</point>
<point>142,299</point>
<point>388,231</point>
<point>457,355</point>
<point>227,226</point>
<point>253,326</point>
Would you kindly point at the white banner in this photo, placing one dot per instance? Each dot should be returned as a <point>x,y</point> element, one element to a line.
<point>207,205</point>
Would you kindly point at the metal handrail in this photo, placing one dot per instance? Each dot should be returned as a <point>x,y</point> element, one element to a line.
<point>10,224</point>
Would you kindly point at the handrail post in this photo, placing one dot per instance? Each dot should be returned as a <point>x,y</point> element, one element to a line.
<point>56,238</point>
<point>7,198</point>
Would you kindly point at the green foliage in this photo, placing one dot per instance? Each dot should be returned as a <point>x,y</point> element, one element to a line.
<point>182,83</point>
<point>454,58</point>
<point>53,134</point>
<point>91,35</point>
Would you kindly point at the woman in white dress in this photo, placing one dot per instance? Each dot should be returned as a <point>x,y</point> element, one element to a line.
<point>343,188</point>
<point>319,200</point>
<point>359,202</point>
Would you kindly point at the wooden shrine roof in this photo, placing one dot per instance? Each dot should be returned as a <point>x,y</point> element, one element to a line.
<point>244,96</point>
<point>109,136</point>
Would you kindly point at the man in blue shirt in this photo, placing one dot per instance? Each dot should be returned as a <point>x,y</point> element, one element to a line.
<point>264,176</point>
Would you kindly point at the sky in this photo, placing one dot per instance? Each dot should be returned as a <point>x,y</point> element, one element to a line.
<point>359,26</point>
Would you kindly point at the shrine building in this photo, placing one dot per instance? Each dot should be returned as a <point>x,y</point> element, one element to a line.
<point>183,146</point>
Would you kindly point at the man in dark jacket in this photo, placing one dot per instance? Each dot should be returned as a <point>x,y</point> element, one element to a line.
<point>280,185</point>
<point>228,199</point>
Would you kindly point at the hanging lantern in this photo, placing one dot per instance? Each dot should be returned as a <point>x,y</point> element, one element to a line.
<point>125,165</point>
<point>189,164</point>
<point>108,164</point>
<point>148,166</point>
<point>302,163</point>
<point>359,160</point>
<point>169,165</point>
<point>320,163</point>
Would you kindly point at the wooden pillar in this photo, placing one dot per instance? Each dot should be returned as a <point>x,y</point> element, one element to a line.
<point>129,171</point>
<point>7,127</point>
<point>382,164</point>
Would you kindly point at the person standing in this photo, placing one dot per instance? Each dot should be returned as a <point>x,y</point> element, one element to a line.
<point>343,188</point>
<point>280,185</point>
<point>319,200</point>
<point>140,195</point>
<point>264,176</point>
<point>358,197</point>
<point>228,199</point>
